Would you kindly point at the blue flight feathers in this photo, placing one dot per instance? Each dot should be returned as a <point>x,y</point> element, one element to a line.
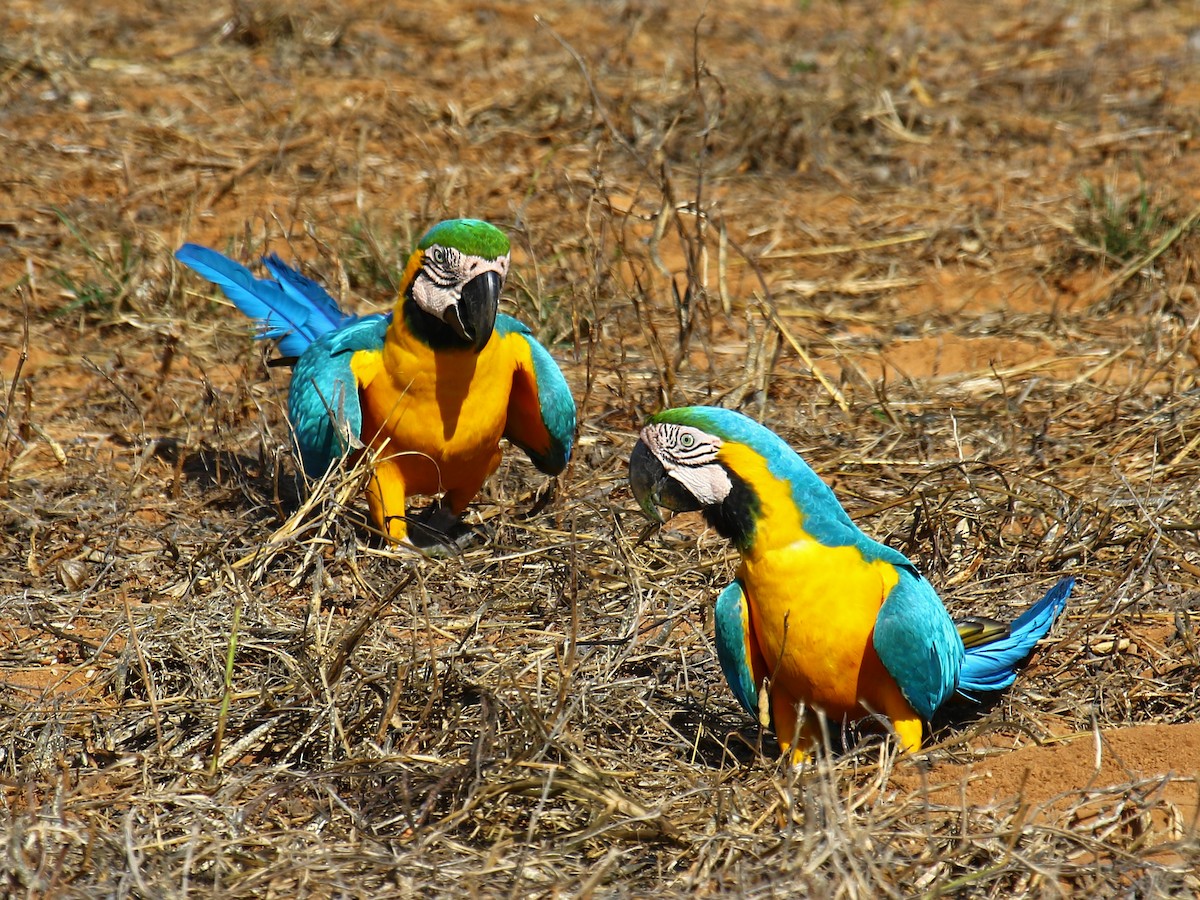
<point>292,308</point>
<point>323,402</point>
<point>992,666</point>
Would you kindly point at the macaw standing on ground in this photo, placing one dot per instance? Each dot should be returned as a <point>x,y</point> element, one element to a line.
<point>429,388</point>
<point>820,614</point>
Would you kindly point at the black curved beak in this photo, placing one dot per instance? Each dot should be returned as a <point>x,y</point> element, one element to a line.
<point>653,487</point>
<point>474,317</point>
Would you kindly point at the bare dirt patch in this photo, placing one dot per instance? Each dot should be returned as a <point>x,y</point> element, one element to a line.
<point>1119,763</point>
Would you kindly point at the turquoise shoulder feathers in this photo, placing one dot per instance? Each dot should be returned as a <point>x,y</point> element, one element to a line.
<point>323,401</point>
<point>918,643</point>
<point>735,651</point>
<point>541,410</point>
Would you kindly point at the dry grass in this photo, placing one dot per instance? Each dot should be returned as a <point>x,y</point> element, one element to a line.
<point>864,226</point>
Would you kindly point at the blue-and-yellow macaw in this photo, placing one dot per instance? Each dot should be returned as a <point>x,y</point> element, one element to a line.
<point>820,614</point>
<point>429,388</point>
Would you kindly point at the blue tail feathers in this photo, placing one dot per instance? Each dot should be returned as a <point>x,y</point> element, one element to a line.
<point>992,666</point>
<point>294,309</point>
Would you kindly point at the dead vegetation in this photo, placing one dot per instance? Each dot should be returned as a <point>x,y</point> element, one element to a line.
<point>864,225</point>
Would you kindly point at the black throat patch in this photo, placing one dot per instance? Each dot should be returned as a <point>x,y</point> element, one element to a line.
<point>429,329</point>
<point>735,518</point>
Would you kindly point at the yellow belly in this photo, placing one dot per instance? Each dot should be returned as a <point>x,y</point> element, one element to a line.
<point>440,417</point>
<point>814,609</point>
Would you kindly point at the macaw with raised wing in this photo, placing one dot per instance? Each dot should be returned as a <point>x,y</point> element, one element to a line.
<point>429,389</point>
<point>819,614</point>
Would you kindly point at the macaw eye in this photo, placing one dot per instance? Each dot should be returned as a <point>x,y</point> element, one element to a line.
<point>438,255</point>
<point>687,441</point>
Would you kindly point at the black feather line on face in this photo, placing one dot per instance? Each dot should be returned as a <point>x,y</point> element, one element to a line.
<point>735,518</point>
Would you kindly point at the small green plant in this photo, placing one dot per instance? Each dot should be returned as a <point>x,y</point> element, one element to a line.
<point>116,275</point>
<point>1119,229</point>
<point>368,262</point>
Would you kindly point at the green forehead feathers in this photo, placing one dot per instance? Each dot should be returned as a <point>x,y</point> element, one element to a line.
<point>726,425</point>
<point>473,236</point>
<point>703,417</point>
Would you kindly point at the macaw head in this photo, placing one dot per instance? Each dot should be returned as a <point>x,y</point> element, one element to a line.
<point>708,459</point>
<point>748,482</point>
<point>451,285</point>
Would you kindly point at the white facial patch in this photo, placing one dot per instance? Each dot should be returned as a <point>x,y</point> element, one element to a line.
<point>710,485</point>
<point>443,273</point>
<point>689,455</point>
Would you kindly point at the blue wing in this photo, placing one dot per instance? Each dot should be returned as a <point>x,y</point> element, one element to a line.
<point>541,410</point>
<point>918,643</point>
<point>294,309</point>
<point>737,647</point>
<point>323,402</point>
<point>992,666</point>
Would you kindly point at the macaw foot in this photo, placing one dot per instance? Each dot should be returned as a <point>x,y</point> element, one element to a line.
<point>799,756</point>
<point>438,532</point>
